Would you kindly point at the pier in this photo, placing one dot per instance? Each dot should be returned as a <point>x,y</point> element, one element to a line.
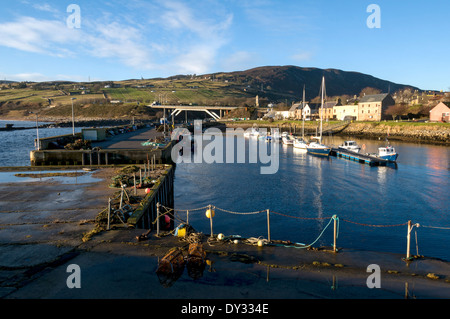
<point>358,157</point>
<point>124,148</point>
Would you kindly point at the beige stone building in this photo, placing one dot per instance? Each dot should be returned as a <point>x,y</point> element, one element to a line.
<point>346,112</point>
<point>372,107</point>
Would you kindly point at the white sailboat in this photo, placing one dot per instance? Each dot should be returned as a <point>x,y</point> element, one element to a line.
<point>300,142</point>
<point>317,148</point>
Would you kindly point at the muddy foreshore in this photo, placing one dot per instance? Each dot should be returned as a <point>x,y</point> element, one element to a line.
<point>44,224</point>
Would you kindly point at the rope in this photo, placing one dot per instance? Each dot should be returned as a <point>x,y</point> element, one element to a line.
<point>298,217</point>
<point>238,213</point>
<point>369,225</point>
<point>320,235</point>
<point>448,228</point>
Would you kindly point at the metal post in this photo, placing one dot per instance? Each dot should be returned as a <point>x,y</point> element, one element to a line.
<point>408,238</point>
<point>268,224</point>
<point>73,119</point>
<point>334,233</point>
<point>187,217</point>
<point>37,134</point>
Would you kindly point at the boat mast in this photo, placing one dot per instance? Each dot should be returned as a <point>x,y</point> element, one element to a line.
<point>321,108</point>
<point>303,115</point>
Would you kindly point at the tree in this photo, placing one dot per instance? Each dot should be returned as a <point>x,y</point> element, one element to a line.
<point>369,91</point>
<point>397,110</point>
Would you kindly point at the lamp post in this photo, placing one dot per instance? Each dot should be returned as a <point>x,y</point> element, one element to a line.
<point>37,132</point>
<point>73,121</point>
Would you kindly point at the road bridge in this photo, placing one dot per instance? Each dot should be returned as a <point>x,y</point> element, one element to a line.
<point>211,110</point>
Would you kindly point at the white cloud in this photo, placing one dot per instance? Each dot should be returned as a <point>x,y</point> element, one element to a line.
<point>45,7</point>
<point>114,40</point>
<point>302,56</point>
<point>240,60</point>
<point>196,36</point>
<point>180,38</point>
<point>37,36</point>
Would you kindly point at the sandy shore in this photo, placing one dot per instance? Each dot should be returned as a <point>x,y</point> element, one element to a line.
<point>42,224</point>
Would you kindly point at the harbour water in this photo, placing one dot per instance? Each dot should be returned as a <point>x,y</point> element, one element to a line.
<point>16,145</point>
<point>308,190</point>
<point>373,204</point>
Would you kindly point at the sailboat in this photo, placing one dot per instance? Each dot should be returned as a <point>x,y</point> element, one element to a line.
<point>300,142</point>
<point>317,148</point>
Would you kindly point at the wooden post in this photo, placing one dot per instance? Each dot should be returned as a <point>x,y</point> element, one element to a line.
<point>268,224</point>
<point>109,212</point>
<point>210,219</point>
<point>408,238</point>
<point>157,218</point>
<point>134,181</point>
<point>334,233</point>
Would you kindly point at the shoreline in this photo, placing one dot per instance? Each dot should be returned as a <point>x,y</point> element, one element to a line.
<point>428,133</point>
<point>37,252</point>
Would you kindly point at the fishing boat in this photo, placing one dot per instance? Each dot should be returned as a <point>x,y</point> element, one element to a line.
<point>316,147</point>
<point>350,146</point>
<point>388,153</point>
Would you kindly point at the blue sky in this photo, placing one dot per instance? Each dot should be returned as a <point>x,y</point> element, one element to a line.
<point>120,40</point>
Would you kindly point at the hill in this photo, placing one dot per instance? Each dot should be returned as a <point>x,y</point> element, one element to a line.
<point>288,81</point>
<point>121,99</point>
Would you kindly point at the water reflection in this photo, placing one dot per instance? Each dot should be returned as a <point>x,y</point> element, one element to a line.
<point>310,186</point>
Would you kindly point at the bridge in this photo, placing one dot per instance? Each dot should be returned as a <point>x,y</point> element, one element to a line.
<point>177,109</point>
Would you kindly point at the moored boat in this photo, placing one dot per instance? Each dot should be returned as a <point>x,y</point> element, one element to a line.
<point>350,146</point>
<point>317,148</point>
<point>388,153</point>
<point>300,143</point>
<point>288,140</point>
